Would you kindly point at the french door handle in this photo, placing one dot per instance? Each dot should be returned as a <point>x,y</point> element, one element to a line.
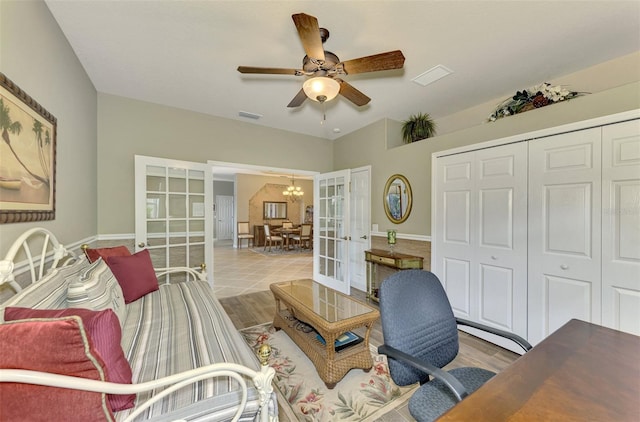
<point>141,245</point>
<point>363,237</point>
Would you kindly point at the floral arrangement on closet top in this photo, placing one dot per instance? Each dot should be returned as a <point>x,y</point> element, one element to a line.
<point>535,97</point>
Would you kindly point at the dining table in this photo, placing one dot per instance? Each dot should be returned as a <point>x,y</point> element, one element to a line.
<point>581,372</point>
<point>286,234</point>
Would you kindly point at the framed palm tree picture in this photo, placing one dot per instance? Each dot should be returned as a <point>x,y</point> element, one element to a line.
<point>27,157</point>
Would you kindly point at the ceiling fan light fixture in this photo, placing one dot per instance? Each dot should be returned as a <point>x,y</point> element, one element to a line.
<point>321,88</point>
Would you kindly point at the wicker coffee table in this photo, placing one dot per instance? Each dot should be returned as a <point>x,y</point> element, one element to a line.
<point>331,314</point>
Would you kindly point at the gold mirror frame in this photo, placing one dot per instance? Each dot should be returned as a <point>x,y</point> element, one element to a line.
<point>392,214</point>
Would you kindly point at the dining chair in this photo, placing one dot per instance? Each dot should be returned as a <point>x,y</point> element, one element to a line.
<point>243,233</point>
<point>304,238</point>
<point>420,335</point>
<point>287,225</point>
<point>269,239</point>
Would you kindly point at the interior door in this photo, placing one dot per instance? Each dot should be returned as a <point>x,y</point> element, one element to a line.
<point>224,217</point>
<point>621,226</point>
<point>500,265</point>
<point>173,207</point>
<point>360,207</point>
<point>480,234</point>
<point>564,231</point>
<point>454,239</point>
<point>331,230</point>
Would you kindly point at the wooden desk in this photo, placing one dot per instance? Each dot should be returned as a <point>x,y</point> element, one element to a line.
<point>395,261</point>
<point>581,372</point>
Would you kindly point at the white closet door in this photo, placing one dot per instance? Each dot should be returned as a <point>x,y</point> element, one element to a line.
<point>500,264</point>
<point>453,238</point>
<point>480,235</point>
<point>621,226</point>
<point>564,231</point>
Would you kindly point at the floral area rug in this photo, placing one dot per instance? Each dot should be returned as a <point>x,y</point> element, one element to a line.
<point>359,396</point>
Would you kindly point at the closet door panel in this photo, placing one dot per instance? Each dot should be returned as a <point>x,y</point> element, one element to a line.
<point>458,284</point>
<point>566,299</point>
<point>621,226</point>
<point>564,231</point>
<point>566,223</point>
<point>501,225</point>
<point>453,235</point>
<point>497,297</point>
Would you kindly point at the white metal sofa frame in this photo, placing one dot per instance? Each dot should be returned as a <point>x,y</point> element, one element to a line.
<point>54,253</point>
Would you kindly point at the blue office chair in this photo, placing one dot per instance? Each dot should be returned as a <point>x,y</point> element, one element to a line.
<point>421,337</point>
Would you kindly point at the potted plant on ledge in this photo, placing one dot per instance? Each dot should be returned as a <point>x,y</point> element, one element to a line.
<point>417,127</point>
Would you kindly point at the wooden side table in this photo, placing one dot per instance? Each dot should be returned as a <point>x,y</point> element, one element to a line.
<point>377,259</point>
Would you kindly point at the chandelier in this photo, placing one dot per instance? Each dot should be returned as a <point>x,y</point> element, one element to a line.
<point>293,192</point>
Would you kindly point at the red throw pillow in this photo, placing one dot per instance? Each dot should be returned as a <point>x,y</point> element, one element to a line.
<point>94,254</point>
<point>103,327</point>
<point>135,274</point>
<point>58,346</point>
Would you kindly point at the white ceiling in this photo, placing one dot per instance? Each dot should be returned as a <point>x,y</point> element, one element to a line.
<point>185,53</point>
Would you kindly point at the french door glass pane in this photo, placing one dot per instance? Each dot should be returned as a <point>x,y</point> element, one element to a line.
<point>177,206</point>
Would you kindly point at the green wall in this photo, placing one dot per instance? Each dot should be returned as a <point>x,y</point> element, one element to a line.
<point>127,127</point>
<point>35,55</point>
<point>377,144</point>
<point>95,196</point>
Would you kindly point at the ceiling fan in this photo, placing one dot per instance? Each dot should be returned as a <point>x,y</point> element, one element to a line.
<point>324,67</point>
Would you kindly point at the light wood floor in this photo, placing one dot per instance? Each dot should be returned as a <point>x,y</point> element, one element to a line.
<point>259,307</point>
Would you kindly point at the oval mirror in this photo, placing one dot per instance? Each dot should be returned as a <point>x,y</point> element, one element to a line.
<point>397,198</point>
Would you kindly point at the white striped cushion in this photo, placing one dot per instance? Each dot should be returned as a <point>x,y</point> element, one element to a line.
<point>180,327</point>
<point>97,289</point>
<point>50,292</point>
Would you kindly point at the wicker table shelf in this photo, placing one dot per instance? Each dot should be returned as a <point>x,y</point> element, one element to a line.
<point>331,314</point>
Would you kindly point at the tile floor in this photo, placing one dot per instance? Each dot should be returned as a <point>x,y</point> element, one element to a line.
<point>241,271</point>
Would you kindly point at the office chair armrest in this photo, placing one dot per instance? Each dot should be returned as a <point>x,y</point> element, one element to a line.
<point>449,380</point>
<point>513,337</point>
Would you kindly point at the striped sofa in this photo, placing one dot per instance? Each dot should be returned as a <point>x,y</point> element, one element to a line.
<point>177,328</point>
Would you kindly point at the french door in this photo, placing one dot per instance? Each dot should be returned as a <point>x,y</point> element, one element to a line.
<point>331,227</point>
<point>173,207</point>
<point>360,224</point>
<point>341,228</point>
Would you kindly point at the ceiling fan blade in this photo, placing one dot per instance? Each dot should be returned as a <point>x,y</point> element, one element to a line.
<point>309,33</point>
<point>267,70</point>
<point>298,99</point>
<point>382,61</point>
<point>352,94</point>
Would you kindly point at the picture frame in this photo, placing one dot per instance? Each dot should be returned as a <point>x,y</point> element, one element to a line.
<point>27,157</point>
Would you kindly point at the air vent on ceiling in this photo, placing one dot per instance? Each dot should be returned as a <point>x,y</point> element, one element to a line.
<point>248,115</point>
<point>432,75</point>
